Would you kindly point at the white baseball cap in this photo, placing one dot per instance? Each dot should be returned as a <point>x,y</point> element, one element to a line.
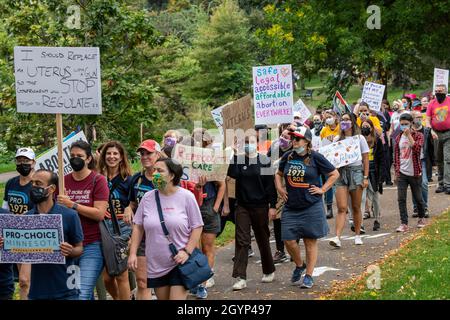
<point>26,152</point>
<point>297,115</point>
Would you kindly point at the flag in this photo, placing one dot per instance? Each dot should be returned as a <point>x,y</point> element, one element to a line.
<point>340,106</point>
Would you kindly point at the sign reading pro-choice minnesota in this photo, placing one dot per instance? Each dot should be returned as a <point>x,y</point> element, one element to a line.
<point>63,80</point>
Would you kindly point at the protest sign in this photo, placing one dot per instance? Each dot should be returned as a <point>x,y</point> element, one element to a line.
<point>440,77</point>
<point>31,239</point>
<point>49,160</point>
<point>342,153</point>
<point>58,80</point>
<point>301,108</point>
<point>373,95</point>
<point>273,94</point>
<point>237,115</point>
<point>218,118</point>
<point>199,162</point>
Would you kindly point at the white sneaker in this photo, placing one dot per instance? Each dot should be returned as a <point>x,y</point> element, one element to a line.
<point>240,284</point>
<point>358,240</point>
<point>267,278</point>
<point>335,242</point>
<point>210,283</point>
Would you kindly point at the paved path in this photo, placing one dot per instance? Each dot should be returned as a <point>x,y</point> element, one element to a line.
<point>4,177</point>
<point>333,264</point>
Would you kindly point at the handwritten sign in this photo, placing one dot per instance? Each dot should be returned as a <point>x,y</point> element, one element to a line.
<point>31,239</point>
<point>49,160</point>
<point>237,115</point>
<point>301,108</point>
<point>61,80</point>
<point>218,118</point>
<point>199,162</point>
<point>440,77</point>
<point>342,153</point>
<point>373,95</point>
<point>273,94</point>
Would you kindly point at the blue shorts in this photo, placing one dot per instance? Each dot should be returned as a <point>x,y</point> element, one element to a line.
<point>173,278</point>
<point>309,223</point>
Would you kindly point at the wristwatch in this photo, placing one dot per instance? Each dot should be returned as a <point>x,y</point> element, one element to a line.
<point>75,206</point>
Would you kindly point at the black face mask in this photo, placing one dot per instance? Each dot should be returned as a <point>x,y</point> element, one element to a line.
<point>365,131</point>
<point>77,163</point>
<point>24,169</point>
<point>440,97</point>
<point>38,194</point>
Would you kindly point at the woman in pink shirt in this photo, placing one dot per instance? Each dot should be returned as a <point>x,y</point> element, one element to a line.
<point>184,222</point>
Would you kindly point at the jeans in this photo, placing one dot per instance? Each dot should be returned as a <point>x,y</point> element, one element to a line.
<point>91,266</point>
<point>424,185</point>
<point>402,189</point>
<point>443,158</point>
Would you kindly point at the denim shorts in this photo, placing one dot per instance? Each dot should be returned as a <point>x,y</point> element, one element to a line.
<point>173,278</point>
<point>350,177</point>
<point>211,219</point>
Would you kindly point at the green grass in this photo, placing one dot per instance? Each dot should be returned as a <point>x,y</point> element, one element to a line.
<point>7,167</point>
<point>2,191</point>
<point>227,235</point>
<point>420,270</point>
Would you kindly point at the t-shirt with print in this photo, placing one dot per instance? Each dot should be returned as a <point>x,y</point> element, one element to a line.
<point>85,193</point>
<point>299,177</point>
<point>119,196</point>
<point>439,114</point>
<point>18,197</point>
<point>406,160</point>
<point>140,185</point>
<point>57,281</point>
<point>181,215</point>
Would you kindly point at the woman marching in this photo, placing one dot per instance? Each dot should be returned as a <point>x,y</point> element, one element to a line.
<point>303,213</point>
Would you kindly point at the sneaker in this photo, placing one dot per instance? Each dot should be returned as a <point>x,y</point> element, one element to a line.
<point>297,274</point>
<point>240,284</point>
<point>358,240</point>
<point>447,191</point>
<point>402,228</point>
<point>329,211</point>
<point>366,215</point>
<point>376,225</point>
<point>193,291</point>
<point>267,278</point>
<point>415,213</point>
<point>427,214</point>
<point>308,282</point>
<point>202,292</point>
<point>421,223</point>
<point>335,242</point>
<point>389,183</point>
<point>210,283</point>
<point>361,230</point>
<point>440,189</point>
<point>279,257</point>
<point>251,253</point>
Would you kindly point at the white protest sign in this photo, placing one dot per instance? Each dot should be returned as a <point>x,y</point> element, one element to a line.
<point>301,108</point>
<point>218,118</point>
<point>49,160</point>
<point>273,96</point>
<point>373,95</point>
<point>440,77</point>
<point>199,162</point>
<point>64,80</point>
<point>343,152</point>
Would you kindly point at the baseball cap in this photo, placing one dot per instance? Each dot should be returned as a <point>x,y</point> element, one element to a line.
<point>297,115</point>
<point>416,103</point>
<point>26,152</point>
<point>302,132</point>
<point>150,146</point>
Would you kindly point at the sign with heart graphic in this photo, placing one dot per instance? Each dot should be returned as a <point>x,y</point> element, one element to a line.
<point>273,94</point>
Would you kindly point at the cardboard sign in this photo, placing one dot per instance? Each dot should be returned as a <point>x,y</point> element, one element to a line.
<point>440,77</point>
<point>237,115</point>
<point>31,239</point>
<point>62,80</point>
<point>49,160</point>
<point>373,95</point>
<point>301,108</point>
<point>343,152</point>
<point>273,94</point>
<point>199,162</point>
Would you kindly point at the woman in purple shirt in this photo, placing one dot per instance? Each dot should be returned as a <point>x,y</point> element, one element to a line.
<point>184,222</point>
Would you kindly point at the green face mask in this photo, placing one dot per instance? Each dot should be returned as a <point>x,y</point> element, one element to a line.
<point>158,181</point>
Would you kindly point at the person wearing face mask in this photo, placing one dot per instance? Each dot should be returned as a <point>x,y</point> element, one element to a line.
<point>353,179</point>
<point>438,118</point>
<point>426,155</point>
<point>303,213</point>
<point>113,164</point>
<point>363,112</point>
<point>256,200</point>
<point>87,193</point>
<point>408,170</point>
<point>149,152</point>
<point>315,131</point>
<point>376,171</point>
<point>17,201</point>
<point>331,129</point>
<point>184,222</point>
<point>171,138</point>
<point>52,281</point>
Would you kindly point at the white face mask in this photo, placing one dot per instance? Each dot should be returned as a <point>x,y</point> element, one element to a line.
<point>330,121</point>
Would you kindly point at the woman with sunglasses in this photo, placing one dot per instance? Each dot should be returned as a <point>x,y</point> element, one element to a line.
<point>303,213</point>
